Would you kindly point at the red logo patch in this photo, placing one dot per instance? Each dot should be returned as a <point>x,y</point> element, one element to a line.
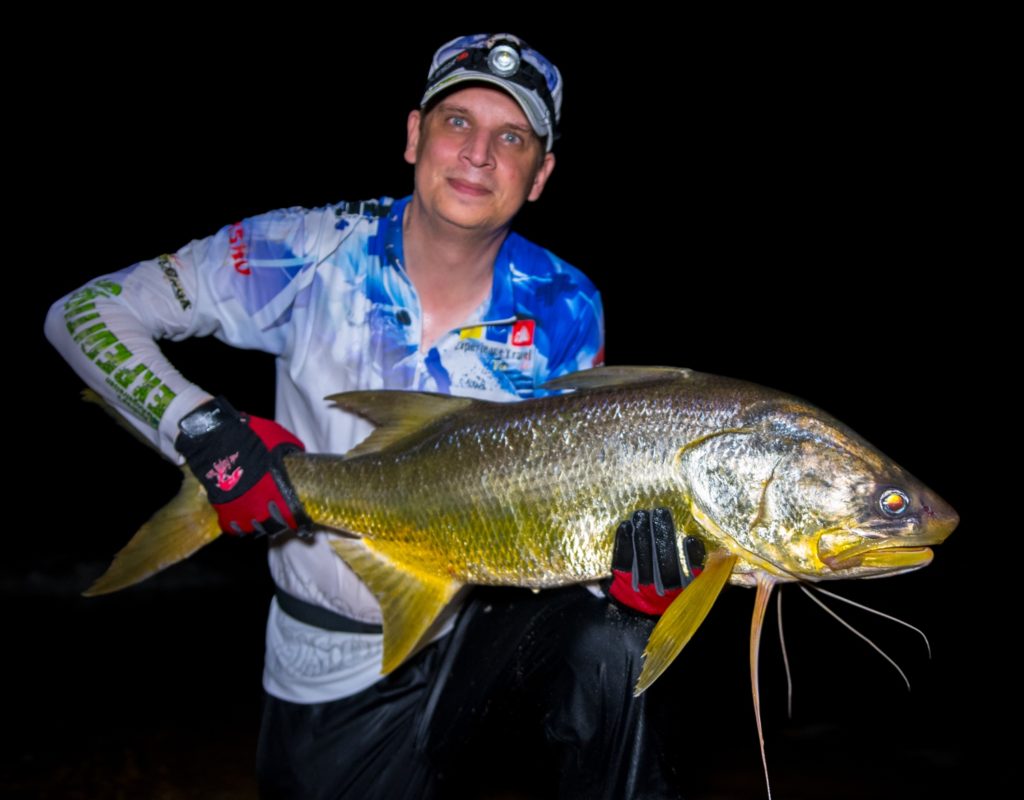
<point>522,333</point>
<point>238,249</point>
<point>226,480</point>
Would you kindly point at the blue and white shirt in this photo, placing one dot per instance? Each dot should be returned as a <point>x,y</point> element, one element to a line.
<point>324,290</point>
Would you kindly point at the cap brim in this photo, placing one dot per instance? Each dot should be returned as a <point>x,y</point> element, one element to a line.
<point>535,112</point>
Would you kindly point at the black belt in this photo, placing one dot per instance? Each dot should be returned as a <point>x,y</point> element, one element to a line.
<point>320,617</point>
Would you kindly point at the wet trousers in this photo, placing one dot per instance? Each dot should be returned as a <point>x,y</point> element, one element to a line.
<point>530,693</point>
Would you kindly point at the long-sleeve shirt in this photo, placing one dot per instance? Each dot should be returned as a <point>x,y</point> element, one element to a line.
<point>325,291</point>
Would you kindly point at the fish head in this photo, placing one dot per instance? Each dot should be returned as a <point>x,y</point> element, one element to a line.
<point>799,495</point>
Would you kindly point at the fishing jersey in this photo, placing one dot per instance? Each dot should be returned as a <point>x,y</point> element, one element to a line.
<point>326,292</point>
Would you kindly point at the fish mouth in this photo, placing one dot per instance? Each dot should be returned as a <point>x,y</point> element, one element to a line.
<point>887,547</point>
<point>889,560</point>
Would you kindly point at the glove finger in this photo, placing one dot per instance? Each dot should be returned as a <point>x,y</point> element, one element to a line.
<point>275,512</point>
<point>276,524</point>
<point>668,574</point>
<point>288,494</point>
<point>622,557</point>
<point>694,555</point>
<point>643,547</point>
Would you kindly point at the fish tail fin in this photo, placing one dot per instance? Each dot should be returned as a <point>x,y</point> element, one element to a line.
<point>681,620</point>
<point>411,597</point>
<point>172,534</point>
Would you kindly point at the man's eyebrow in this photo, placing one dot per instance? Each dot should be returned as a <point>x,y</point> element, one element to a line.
<point>442,106</point>
<point>451,108</point>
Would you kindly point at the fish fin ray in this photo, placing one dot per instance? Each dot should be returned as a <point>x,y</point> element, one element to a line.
<point>765,584</point>
<point>172,534</point>
<point>410,598</point>
<point>600,377</point>
<point>398,415</point>
<point>681,620</point>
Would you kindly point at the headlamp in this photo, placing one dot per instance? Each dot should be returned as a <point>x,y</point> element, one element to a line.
<point>503,60</point>
<point>510,64</point>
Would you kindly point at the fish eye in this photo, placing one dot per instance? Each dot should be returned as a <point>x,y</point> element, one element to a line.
<point>893,502</point>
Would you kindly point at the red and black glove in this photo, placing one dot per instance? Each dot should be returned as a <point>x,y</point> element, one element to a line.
<point>647,571</point>
<point>237,458</point>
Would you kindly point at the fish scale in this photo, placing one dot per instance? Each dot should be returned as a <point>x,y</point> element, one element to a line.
<point>531,500</point>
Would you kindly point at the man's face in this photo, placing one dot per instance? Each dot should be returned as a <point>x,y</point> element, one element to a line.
<point>477,159</point>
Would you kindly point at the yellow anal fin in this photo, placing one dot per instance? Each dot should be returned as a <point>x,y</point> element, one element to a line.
<point>410,598</point>
<point>681,620</point>
<point>172,534</point>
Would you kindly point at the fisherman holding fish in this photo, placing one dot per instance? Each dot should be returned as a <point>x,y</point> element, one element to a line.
<point>434,293</point>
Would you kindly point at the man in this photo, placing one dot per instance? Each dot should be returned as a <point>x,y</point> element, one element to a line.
<point>432,292</point>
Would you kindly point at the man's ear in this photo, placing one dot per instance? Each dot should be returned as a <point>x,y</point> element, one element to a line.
<point>541,178</point>
<point>412,135</point>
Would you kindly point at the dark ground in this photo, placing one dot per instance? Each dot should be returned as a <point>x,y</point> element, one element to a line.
<point>815,212</point>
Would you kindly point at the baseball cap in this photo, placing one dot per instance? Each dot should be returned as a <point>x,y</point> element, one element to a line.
<point>510,64</point>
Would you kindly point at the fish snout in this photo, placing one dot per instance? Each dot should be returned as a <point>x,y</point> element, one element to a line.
<point>938,518</point>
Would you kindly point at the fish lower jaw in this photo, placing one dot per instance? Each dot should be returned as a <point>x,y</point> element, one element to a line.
<point>881,560</point>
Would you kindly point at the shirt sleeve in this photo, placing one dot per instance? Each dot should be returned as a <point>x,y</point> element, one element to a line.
<point>582,346</point>
<point>239,285</point>
<point>574,321</point>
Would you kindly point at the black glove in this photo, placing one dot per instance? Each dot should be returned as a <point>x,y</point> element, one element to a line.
<point>237,458</point>
<point>647,572</point>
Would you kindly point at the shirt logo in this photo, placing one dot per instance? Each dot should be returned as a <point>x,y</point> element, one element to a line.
<point>239,256</point>
<point>172,277</point>
<point>522,333</point>
<point>226,481</point>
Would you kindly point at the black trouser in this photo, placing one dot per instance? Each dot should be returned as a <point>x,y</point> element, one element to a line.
<point>530,692</point>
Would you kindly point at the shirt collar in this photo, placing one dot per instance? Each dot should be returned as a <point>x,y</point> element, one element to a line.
<point>501,309</point>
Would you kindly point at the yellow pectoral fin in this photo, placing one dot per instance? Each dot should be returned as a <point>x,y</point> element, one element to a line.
<point>172,534</point>
<point>681,620</point>
<point>410,598</point>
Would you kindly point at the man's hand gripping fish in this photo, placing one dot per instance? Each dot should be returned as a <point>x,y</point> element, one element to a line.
<point>449,491</point>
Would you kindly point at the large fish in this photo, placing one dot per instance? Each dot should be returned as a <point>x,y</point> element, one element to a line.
<point>450,491</point>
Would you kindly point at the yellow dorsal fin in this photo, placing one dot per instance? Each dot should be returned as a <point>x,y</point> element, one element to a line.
<point>600,377</point>
<point>172,534</point>
<point>681,620</point>
<point>410,598</point>
<point>398,415</point>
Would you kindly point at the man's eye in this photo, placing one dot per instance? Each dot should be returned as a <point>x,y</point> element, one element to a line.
<point>512,138</point>
<point>457,122</point>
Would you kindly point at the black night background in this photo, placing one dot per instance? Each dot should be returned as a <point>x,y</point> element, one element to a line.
<point>780,206</point>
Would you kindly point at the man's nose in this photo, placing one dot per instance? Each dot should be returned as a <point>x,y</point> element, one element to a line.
<point>479,149</point>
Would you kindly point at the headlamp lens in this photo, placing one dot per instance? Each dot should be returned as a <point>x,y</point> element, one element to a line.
<point>503,61</point>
